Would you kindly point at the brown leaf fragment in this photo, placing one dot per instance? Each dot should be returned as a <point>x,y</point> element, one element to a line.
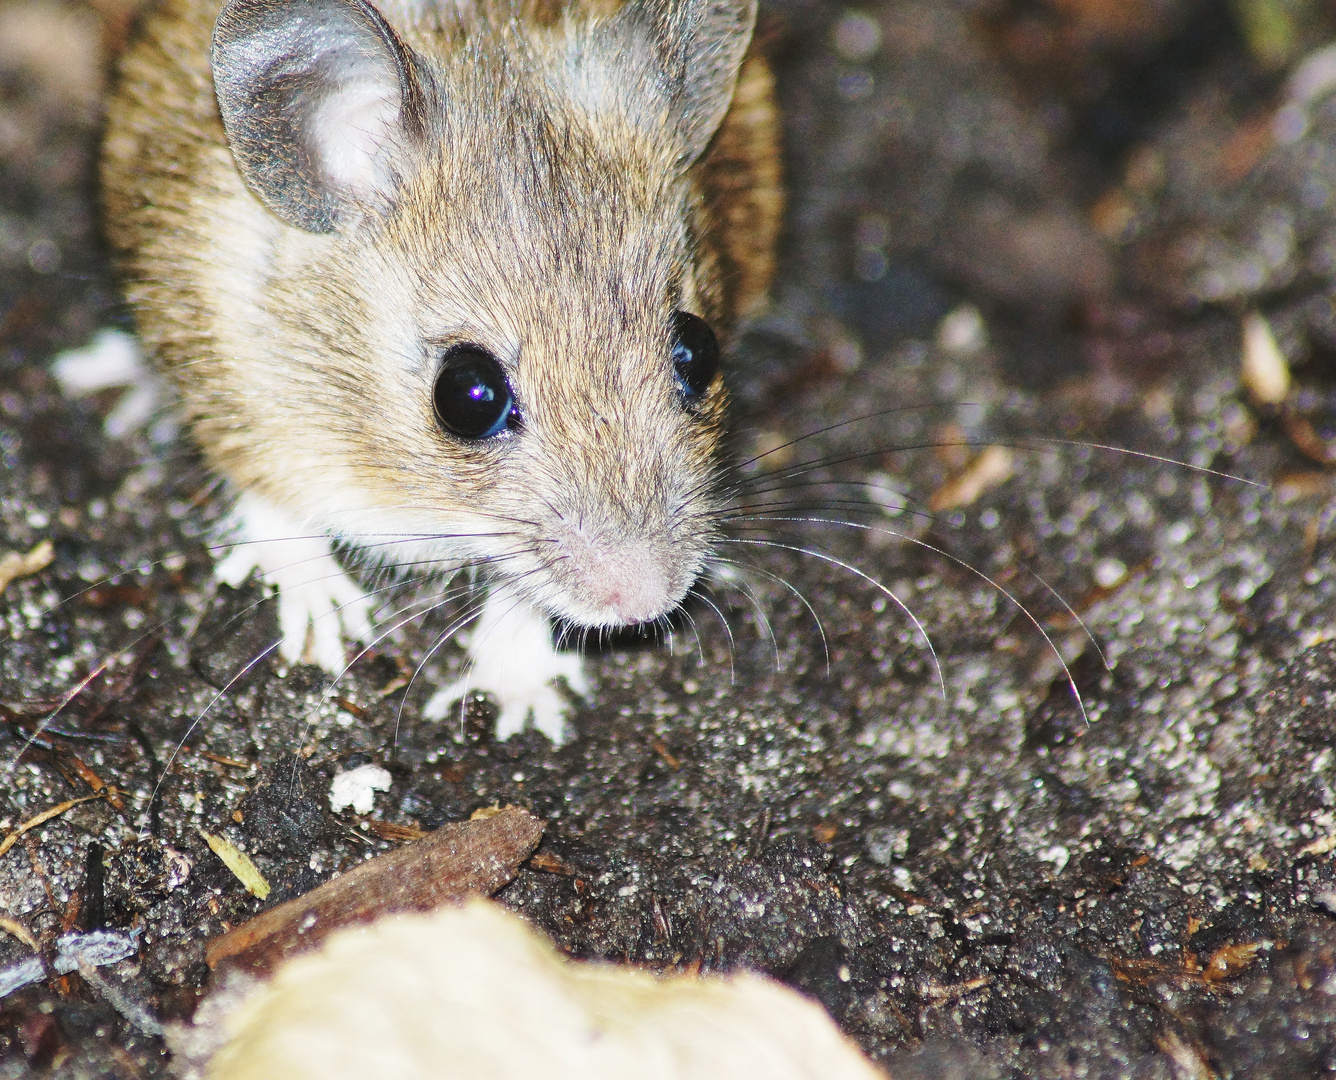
<point>94,781</point>
<point>457,860</point>
<point>1229,960</point>
<point>824,833</point>
<point>230,762</point>
<point>1306,438</point>
<point>389,830</point>
<point>939,994</point>
<point>669,758</point>
<point>549,863</point>
<point>15,564</point>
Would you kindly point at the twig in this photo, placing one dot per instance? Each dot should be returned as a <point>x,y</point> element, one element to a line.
<point>46,815</point>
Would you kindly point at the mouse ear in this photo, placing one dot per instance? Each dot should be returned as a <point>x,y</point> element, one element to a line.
<point>318,99</point>
<point>699,45</point>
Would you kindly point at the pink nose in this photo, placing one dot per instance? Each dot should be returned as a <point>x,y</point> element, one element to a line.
<point>616,582</point>
<point>633,595</point>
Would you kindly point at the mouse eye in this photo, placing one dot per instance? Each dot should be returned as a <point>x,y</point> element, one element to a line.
<point>471,397</point>
<point>695,353</point>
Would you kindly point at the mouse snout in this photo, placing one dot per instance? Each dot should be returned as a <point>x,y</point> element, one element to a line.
<point>618,581</point>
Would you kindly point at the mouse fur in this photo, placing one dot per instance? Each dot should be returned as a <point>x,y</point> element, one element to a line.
<point>312,200</point>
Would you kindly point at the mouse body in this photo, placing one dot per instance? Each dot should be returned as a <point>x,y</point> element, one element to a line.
<point>439,283</point>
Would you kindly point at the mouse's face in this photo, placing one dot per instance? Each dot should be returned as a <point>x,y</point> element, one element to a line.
<point>512,303</point>
<point>556,394</point>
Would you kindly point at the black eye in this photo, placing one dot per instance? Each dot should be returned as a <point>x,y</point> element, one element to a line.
<point>471,396</point>
<point>695,353</point>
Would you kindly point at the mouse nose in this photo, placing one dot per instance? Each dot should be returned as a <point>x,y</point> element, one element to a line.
<point>618,582</point>
<point>633,598</point>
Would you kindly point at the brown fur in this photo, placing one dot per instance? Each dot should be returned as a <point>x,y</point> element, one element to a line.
<point>274,337</point>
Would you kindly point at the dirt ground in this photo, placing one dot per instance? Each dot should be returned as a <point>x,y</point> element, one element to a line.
<point>1036,227</point>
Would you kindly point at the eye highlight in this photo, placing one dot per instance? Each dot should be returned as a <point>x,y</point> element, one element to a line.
<point>695,353</point>
<point>472,398</point>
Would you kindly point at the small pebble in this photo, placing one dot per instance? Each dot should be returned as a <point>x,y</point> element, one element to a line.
<point>1109,573</point>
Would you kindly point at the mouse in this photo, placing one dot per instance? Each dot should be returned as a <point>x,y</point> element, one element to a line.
<point>442,287</point>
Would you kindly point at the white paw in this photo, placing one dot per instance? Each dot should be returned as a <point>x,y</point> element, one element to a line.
<point>112,359</point>
<point>512,658</point>
<point>316,599</point>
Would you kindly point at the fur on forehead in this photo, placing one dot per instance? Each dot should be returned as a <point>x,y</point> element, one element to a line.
<point>525,206</point>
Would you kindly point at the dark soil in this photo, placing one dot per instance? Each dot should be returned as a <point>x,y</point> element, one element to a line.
<point>977,875</point>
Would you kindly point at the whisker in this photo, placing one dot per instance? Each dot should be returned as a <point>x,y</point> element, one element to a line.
<point>767,628</point>
<point>878,415</point>
<point>1094,643</point>
<point>728,631</point>
<point>821,630</point>
<point>176,750</point>
<point>937,664</point>
<point>943,553</point>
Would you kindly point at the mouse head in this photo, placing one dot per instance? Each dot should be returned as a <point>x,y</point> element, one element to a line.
<point>501,286</point>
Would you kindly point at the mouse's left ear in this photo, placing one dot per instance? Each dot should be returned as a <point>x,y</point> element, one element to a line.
<point>320,100</point>
<point>699,47</point>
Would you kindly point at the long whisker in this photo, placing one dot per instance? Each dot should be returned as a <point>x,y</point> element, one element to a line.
<point>937,664</point>
<point>728,631</point>
<point>769,631</point>
<point>1094,642</point>
<point>943,553</point>
<point>821,630</point>
<point>176,750</point>
<point>879,414</point>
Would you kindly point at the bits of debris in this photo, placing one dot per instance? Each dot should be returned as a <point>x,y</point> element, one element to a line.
<point>74,952</point>
<point>357,788</point>
<point>239,863</point>
<point>887,843</point>
<point>399,834</point>
<point>16,976</point>
<point>15,564</point>
<point>1229,960</point>
<point>457,860</point>
<point>963,331</point>
<point>993,466</point>
<point>96,948</point>
<point>477,987</point>
<point>887,493</point>
<point>1266,373</point>
<point>16,929</point>
<point>46,815</point>
<point>1185,1059</point>
<point>1320,846</point>
<point>1110,573</point>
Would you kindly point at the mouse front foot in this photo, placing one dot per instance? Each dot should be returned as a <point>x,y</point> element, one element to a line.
<point>113,360</point>
<point>511,657</point>
<point>318,603</point>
